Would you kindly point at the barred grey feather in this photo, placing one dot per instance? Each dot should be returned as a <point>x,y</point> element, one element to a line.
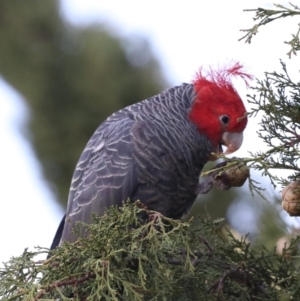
<point>149,151</point>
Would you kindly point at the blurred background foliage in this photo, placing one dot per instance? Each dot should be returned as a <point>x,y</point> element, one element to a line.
<point>73,78</point>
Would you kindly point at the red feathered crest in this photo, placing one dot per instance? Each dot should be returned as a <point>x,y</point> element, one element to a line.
<point>221,77</point>
<point>216,97</point>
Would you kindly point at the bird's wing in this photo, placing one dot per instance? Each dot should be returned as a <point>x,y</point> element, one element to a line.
<point>105,174</point>
<point>168,170</point>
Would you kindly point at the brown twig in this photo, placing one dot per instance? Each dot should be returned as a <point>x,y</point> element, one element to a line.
<point>72,281</point>
<point>207,244</point>
<point>240,276</point>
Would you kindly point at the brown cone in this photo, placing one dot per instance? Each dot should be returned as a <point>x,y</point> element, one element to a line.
<point>238,174</point>
<point>291,198</point>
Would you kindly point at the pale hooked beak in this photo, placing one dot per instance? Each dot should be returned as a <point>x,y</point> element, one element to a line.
<point>232,141</point>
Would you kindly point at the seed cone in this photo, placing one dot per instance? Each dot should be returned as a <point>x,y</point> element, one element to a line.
<point>291,198</point>
<point>238,174</point>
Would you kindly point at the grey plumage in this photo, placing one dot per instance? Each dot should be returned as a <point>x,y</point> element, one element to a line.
<point>149,151</point>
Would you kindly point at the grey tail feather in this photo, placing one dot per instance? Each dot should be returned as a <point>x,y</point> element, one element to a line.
<point>58,235</point>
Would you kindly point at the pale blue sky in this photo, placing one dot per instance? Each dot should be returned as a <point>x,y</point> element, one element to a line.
<point>185,35</point>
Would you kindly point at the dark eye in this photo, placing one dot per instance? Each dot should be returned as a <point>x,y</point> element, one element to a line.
<point>224,119</point>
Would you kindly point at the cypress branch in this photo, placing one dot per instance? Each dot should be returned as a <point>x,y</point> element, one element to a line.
<point>135,254</point>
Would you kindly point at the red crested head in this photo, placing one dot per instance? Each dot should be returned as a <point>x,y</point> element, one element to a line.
<point>218,110</point>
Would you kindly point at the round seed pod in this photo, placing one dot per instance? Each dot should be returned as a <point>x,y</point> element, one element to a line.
<point>234,176</point>
<point>283,243</point>
<point>291,198</point>
<point>238,174</point>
